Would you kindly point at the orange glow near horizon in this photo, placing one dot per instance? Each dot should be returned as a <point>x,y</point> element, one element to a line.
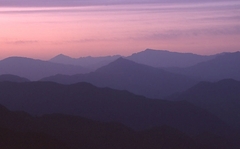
<point>118,29</point>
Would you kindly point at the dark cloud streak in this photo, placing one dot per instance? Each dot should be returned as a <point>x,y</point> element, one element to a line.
<point>175,34</point>
<point>45,3</point>
<point>19,42</point>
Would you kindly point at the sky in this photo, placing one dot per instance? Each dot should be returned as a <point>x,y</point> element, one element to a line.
<point>78,28</point>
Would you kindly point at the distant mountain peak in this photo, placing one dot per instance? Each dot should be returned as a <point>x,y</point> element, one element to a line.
<point>122,65</point>
<point>165,52</point>
<point>19,59</point>
<point>87,61</point>
<point>229,54</point>
<point>164,58</point>
<point>149,49</point>
<point>61,56</point>
<point>154,50</point>
<point>16,57</point>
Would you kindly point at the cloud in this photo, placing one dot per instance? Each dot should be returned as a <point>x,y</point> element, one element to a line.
<point>19,3</point>
<point>74,6</point>
<point>222,18</point>
<point>20,42</point>
<point>176,34</point>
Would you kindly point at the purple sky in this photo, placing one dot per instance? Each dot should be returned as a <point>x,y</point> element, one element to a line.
<point>39,31</point>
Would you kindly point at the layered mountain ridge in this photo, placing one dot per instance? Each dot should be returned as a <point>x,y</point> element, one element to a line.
<point>137,78</point>
<point>33,69</point>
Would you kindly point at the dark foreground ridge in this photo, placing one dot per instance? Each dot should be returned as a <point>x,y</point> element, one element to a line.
<point>18,130</point>
<point>105,104</point>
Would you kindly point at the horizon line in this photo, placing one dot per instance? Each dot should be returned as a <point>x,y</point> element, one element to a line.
<point>47,59</point>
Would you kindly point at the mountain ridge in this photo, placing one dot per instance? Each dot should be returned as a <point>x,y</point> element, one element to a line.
<point>88,62</point>
<point>164,58</point>
<point>35,69</point>
<point>223,66</point>
<point>125,74</point>
<point>105,104</point>
<point>72,132</point>
<point>150,57</point>
<point>12,78</point>
<point>221,98</point>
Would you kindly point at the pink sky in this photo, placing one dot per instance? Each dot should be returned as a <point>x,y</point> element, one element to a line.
<point>42,33</point>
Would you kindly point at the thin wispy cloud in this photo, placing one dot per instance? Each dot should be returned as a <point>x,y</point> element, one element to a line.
<point>30,3</point>
<point>177,34</point>
<point>20,42</point>
<point>141,8</point>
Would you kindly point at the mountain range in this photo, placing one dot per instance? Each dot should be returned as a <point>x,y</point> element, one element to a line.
<point>12,78</point>
<point>163,58</point>
<point>209,68</point>
<point>150,57</point>
<point>221,98</point>
<point>223,66</point>
<point>137,78</point>
<point>88,62</point>
<point>105,104</point>
<point>151,99</point>
<point>19,130</point>
<point>33,69</point>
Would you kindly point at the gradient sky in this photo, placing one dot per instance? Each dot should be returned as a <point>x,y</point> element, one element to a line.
<point>43,29</point>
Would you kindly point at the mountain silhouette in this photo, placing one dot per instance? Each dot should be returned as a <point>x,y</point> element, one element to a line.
<point>89,62</point>
<point>14,136</point>
<point>163,58</point>
<point>150,57</point>
<point>12,78</point>
<point>224,66</point>
<point>221,98</point>
<point>137,78</point>
<point>36,69</point>
<point>62,59</point>
<point>27,140</point>
<point>20,130</point>
<point>159,137</point>
<point>105,104</point>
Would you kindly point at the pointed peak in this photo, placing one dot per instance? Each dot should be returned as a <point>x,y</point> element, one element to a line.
<point>118,65</point>
<point>61,55</point>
